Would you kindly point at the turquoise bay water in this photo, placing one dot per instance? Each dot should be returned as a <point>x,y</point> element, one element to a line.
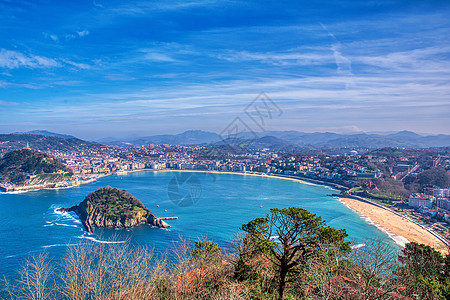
<point>223,202</point>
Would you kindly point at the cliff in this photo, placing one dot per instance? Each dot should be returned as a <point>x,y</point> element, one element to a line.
<point>113,208</point>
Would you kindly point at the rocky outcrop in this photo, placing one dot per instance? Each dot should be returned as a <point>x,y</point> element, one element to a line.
<point>113,208</point>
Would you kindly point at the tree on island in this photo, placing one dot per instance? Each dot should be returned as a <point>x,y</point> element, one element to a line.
<point>290,238</point>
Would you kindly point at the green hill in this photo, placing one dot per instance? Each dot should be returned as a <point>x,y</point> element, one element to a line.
<point>16,141</point>
<point>28,166</point>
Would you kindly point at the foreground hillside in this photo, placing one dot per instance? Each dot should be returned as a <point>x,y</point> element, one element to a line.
<point>31,167</point>
<point>113,208</point>
<point>307,260</point>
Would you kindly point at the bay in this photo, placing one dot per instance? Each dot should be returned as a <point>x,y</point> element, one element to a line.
<point>207,205</point>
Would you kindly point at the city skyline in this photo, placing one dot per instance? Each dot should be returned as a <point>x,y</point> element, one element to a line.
<point>95,69</point>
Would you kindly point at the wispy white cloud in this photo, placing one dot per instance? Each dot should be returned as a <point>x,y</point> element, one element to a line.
<point>8,103</point>
<point>338,129</point>
<point>51,36</point>
<point>68,82</point>
<point>314,57</point>
<point>77,34</point>
<point>310,103</point>
<point>157,57</point>
<point>119,77</point>
<point>428,58</point>
<point>97,4</point>
<point>343,63</point>
<point>326,93</point>
<point>70,36</point>
<point>364,70</point>
<point>76,65</point>
<point>13,60</point>
<point>83,33</point>
<point>142,8</point>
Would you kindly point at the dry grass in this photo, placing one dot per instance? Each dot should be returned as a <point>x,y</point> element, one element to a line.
<point>127,272</point>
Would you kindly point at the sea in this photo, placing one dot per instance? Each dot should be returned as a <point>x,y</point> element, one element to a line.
<point>208,206</point>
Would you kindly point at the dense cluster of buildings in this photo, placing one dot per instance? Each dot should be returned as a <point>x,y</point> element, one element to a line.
<point>348,169</point>
<point>434,205</point>
<point>343,168</point>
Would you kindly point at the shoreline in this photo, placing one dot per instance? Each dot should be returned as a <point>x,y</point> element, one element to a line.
<point>48,186</point>
<point>283,177</point>
<point>397,227</point>
<point>400,229</point>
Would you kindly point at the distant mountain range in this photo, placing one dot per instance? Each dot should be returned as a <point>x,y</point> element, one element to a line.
<point>190,137</point>
<point>274,140</point>
<point>47,133</point>
<point>295,139</point>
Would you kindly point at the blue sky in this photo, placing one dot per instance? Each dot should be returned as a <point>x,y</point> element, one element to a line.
<point>134,68</point>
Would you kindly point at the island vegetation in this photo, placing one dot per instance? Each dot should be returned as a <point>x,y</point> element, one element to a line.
<point>288,254</point>
<point>113,208</point>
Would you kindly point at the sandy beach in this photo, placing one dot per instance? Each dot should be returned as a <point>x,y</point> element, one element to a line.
<point>395,224</point>
<point>234,173</point>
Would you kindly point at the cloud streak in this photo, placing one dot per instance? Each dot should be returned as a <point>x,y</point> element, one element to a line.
<point>8,103</point>
<point>157,65</point>
<point>83,33</point>
<point>13,60</point>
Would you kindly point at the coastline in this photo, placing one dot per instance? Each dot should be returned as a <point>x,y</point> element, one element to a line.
<point>398,228</point>
<point>60,185</point>
<point>48,186</point>
<point>284,177</point>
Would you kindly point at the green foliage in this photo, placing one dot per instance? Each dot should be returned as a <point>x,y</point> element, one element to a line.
<point>206,251</point>
<point>332,238</point>
<point>388,152</point>
<point>114,203</point>
<point>43,143</point>
<point>424,272</point>
<point>390,189</point>
<point>258,229</point>
<point>16,166</point>
<point>119,271</point>
<point>435,177</point>
<point>289,238</point>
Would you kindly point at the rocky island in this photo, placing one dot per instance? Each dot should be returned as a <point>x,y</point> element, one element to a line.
<point>113,208</point>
